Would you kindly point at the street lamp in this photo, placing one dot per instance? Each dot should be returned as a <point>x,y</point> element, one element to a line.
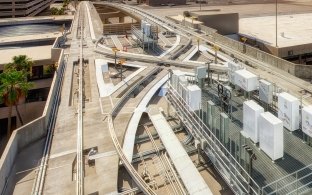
<point>198,40</point>
<point>115,50</point>
<point>193,17</point>
<point>216,49</point>
<point>244,39</point>
<point>121,62</point>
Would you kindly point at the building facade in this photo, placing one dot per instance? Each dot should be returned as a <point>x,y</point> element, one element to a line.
<point>165,2</point>
<point>22,8</point>
<point>31,106</point>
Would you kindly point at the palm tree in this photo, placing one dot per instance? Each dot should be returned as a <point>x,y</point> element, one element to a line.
<point>14,86</point>
<point>20,63</point>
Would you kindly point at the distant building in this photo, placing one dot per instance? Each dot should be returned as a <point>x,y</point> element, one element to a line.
<point>20,8</point>
<point>165,2</point>
<point>225,23</point>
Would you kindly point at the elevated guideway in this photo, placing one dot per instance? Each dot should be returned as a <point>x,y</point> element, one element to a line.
<point>135,119</point>
<point>165,40</point>
<point>101,49</point>
<point>190,176</point>
<point>117,43</point>
<point>171,48</point>
<point>276,72</point>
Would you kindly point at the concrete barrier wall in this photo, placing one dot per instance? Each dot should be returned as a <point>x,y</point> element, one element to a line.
<point>54,86</point>
<point>7,160</point>
<point>30,132</point>
<point>56,51</point>
<point>303,71</point>
<point>206,29</point>
<point>257,54</point>
<point>20,138</point>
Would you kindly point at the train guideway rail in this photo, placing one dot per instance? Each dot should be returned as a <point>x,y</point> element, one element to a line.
<point>189,174</point>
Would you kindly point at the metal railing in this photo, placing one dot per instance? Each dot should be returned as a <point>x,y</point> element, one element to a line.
<point>129,91</point>
<point>40,176</point>
<point>229,168</point>
<point>80,162</point>
<point>298,182</point>
<point>134,174</point>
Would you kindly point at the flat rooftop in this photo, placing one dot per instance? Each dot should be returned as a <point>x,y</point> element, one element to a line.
<point>245,11</point>
<point>294,29</point>
<point>35,53</point>
<point>35,20</point>
<point>28,38</point>
<point>212,12</point>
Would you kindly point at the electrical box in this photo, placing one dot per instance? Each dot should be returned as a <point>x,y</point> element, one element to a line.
<point>184,93</point>
<point>182,83</point>
<point>201,72</point>
<point>246,80</point>
<point>175,78</point>
<point>143,24</point>
<point>147,29</point>
<point>307,120</point>
<point>271,135</point>
<point>288,111</point>
<point>251,113</point>
<point>232,67</point>
<point>194,97</point>
<point>210,114</point>
<point>266,91</point>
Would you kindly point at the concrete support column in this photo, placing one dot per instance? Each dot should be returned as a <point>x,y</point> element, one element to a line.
<point>300,59</point>
<point>121,19</point>
<point>13,8</point>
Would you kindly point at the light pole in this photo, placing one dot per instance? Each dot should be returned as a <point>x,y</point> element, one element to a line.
<point>276,23</point>
<point>244,39</point>
<point>115,50</point>
<point>216,49</point>
<point>208,70</point>
<point>198,45</point>
<point>121,62</point>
